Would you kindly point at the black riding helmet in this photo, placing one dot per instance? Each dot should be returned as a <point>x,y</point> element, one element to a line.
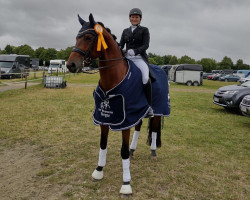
<point>135,11</point>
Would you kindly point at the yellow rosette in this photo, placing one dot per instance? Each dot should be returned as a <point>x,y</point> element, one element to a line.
<point>101,42</point>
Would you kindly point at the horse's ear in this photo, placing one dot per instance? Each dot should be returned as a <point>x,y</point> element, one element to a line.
<point>91,20</point>
<point>81,20</point>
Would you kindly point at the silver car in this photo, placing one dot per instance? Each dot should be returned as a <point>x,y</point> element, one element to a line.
<point>245,106</point>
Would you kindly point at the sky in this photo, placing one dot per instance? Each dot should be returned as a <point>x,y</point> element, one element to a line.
<point>197,28</point>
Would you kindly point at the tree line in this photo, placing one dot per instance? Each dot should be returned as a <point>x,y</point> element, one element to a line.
<point>45,55</point>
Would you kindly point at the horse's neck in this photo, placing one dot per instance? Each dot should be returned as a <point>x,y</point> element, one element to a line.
<point>114,71</point>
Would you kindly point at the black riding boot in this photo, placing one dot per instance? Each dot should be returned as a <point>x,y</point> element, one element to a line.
<point>148,92</point>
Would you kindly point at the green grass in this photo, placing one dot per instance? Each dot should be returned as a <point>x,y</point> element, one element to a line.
<point>204,154</point>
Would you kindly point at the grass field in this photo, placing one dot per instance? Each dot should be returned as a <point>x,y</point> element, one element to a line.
<point>204,154</point>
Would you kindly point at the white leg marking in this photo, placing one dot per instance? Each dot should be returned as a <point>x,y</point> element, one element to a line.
<point>153,144</point>
<point>134,140</point>
<point>126,171</point>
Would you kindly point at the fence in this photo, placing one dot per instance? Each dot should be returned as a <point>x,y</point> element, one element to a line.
<point>31,76</point>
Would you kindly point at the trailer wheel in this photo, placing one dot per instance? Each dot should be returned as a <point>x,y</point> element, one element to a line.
<point>196,83</point>
<point>189,83</point>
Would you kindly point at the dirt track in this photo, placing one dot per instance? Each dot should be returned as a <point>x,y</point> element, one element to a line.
<point>14,86</point>
<point>19,167</point>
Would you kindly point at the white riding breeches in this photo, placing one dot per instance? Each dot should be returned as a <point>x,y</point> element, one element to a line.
<point>140,63</point>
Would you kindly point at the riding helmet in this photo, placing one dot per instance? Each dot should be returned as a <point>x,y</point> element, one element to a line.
<point>135,11</point>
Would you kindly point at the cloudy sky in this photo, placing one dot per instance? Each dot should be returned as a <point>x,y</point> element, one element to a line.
<point>197,28</point>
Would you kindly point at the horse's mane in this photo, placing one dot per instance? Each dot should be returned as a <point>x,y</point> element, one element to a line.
<point>108,30</point>
<point>112,36</point>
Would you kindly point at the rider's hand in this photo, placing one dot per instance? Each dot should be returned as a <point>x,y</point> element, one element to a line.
<point>131,52</point>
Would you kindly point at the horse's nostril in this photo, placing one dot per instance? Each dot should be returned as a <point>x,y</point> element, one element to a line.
<point>72,67</point>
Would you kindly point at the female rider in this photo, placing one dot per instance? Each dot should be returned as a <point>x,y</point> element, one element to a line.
<point>137,38</point>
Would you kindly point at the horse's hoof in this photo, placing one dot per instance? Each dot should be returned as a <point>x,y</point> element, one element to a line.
<point>125,196</point>
<point>153,155</point>
<point>154,158</point>
<point>97,175</point>
<point>126,190</point>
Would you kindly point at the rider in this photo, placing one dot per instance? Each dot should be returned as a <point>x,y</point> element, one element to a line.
<point>136,38</point>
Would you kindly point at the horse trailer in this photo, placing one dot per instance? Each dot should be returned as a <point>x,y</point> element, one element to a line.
<point>57,66</point>
<point>189,74</point>
<point>13,65</point>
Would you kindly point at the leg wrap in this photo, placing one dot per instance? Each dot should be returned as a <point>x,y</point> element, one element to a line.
<point>153,143</point>
<point>102,157</point>
<point>135,139</point>
<point>126,170</point>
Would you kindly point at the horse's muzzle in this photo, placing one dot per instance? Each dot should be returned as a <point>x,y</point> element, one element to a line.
<point>72,67</point>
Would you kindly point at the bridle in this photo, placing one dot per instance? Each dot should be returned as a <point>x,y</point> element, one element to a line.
<point>87,56</point>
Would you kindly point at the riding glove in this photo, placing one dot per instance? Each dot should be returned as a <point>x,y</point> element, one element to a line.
<point>131,52</point>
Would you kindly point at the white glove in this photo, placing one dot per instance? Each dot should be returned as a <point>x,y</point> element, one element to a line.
<point>131,52</point>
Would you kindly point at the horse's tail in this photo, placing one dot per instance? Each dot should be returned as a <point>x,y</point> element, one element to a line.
<point>150,125</point>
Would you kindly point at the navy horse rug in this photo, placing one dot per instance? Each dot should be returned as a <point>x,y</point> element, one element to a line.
<point>125,105</point>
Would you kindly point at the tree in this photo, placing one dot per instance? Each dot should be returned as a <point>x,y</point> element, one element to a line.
<point>25,50</point>
<point>152,61</point>
<point>240,65</point>
<point>173,60</point>
<point>166,59</point>
<point>186,60</point>
<point>208,64</point>
<point>9,49</point>
<point>226,63</point>
<point>48,54</point>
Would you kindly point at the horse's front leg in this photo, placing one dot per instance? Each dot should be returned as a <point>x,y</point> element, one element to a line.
<point>126,187</point>
<point>136,134</point>
<point>98,173</point>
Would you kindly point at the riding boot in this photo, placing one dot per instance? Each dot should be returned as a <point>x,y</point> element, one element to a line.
<point>148,92</point>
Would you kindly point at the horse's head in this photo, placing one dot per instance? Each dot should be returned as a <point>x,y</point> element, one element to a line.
<point>86,45</point>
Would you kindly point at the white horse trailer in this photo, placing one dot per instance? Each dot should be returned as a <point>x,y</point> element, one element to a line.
<point>189,74</point>
<point>57,66</point>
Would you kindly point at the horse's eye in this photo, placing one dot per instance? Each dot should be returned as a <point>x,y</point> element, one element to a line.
<point>88,38</point>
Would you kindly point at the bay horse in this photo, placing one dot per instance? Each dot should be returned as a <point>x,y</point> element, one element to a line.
<point>95,41</point>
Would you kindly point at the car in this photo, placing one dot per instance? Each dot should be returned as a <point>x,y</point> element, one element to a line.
<point>210,77</point>
<point>229,77</point>
<point>245,106</point>
<point>231,96</point>
<point>217,76</point>
<point>205,75</point>
<point>243,80</point>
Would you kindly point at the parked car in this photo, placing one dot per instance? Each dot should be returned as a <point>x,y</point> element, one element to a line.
<point>245,106</point>
<point>243,80</point>
<point>205,75</point>
<point>210,77</point>
<point>217,76</point>
<point>231,96</point>
<point>229,77</point>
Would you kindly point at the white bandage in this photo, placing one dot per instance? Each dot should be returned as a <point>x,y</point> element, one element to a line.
<point>153,143</point>
<point>126,171</point>
<point>135,139</point>
<point>102,157</point>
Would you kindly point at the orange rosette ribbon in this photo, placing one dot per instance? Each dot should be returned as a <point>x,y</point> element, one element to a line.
<point>101,42</point>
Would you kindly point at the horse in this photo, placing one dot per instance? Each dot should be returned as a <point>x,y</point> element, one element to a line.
<point>112,112</point>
